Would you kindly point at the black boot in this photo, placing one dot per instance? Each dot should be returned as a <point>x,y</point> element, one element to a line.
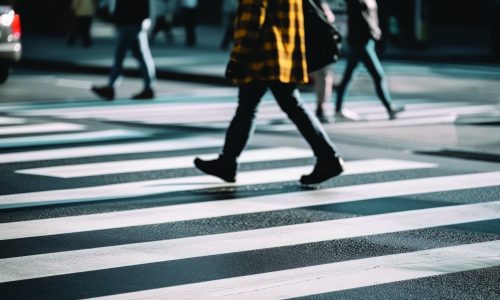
<point>147,93</point>
<point>105,92</point>
<point>395,110</point>
<point>324,170</point>
<point>218,167</point>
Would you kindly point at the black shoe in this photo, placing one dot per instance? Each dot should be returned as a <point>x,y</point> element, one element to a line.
<point>395,111</point>
<point>324,119</point>
<point>224,170</point>
<point>147,93</point>
<point>324,170</point>
<point>105,92</point>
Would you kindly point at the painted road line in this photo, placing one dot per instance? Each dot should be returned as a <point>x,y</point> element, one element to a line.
<point>41,128</point>
<point>154,164</point>
<point>70,262</point>
<point>11,121</point>
<point>222,208</point>
<point>161,186</point>
<point>128,148</point>
<point>59,139</point>
<point>327,278</point>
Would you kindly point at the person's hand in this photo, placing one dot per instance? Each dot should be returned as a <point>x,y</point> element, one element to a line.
<point>235,70</point>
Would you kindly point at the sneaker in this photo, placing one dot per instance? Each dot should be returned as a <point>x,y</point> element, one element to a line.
<point>323,170</point>
<point>217,167</point>
<point>147,93</point>
<point>104,92</point>
<point>395,111</point>
<point>346,115</point>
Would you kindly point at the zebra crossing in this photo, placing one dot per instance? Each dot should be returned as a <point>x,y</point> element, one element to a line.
<point>196,111</point>
<point>262,237</point>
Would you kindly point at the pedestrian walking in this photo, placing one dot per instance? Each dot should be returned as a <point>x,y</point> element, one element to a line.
<point>131,18</point>
<point>163,15</point>
<point>258,62</point>
<point>229,12</point>
<point>188,11</point>
<point>323,78</point>
<point>364,31</point>
<point>83,12</point>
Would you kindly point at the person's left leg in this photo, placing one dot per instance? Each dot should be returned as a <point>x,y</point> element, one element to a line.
<point>323,85</point>
<point>328,164</point>
<point>372,63</point>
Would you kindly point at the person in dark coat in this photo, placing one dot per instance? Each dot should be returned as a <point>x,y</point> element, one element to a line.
<point>364,31</point>
<point>131,19</point>
<point>258,62</point>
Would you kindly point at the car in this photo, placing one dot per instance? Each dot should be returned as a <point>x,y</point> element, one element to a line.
<point>10,40</point>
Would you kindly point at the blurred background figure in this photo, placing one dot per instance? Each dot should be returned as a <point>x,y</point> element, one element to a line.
<point>131,18</point>
<point>83,12</point>
<point>364,31</point>
<point>495,31</point>
<point>323,78</point>
<point>188,11</point>
<point>229,14</point>
<point>162,12</point>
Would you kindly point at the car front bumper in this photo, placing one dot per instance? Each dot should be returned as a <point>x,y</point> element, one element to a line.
<point>10,51</point>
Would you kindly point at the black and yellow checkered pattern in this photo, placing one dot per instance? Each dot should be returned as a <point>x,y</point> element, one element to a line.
<point>269,40</point>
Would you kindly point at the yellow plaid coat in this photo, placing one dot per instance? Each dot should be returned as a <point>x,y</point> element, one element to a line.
<point>269,41</point>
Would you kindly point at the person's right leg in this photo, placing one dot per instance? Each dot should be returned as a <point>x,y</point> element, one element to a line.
<point>141,51</point>
<point>238,134</point>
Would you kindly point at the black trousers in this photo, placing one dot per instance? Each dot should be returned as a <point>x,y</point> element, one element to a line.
<point>81,29</point>
<point>242,125</point>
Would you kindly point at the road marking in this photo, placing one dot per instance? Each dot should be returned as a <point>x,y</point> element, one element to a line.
<point>168,163</point>
<point>72,83</point>
<point>222,208</point>
<point>41,128</point>
<point>11,121</point>
<point>69,262</point>
<point>152,187</point>
<point>128,148</point>
<point>327,278</point>
<point>40,140</point>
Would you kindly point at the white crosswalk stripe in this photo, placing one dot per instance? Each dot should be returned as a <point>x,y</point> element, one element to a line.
<point>335,277</point>
<point>72,171</point>
<point>164,113</point>
<point>154,187</point>
<point>44,265</point>
<point>213,209</point>
<point>37,249</point>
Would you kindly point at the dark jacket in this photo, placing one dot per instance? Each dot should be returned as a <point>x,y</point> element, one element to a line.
<point>363,21</point>
<point>131,12</point>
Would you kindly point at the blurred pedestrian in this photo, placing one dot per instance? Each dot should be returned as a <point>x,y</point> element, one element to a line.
<point>364,31</point>
<point>188,10</point>
<point>229,12</point>
<point>83,12</point>
<point>323,78</point>
<point>263,28</point>
<point>163,14</point>
<point>132,22</point>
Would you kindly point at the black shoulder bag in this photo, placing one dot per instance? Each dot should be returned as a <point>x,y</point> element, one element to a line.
<point>323,40</point>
